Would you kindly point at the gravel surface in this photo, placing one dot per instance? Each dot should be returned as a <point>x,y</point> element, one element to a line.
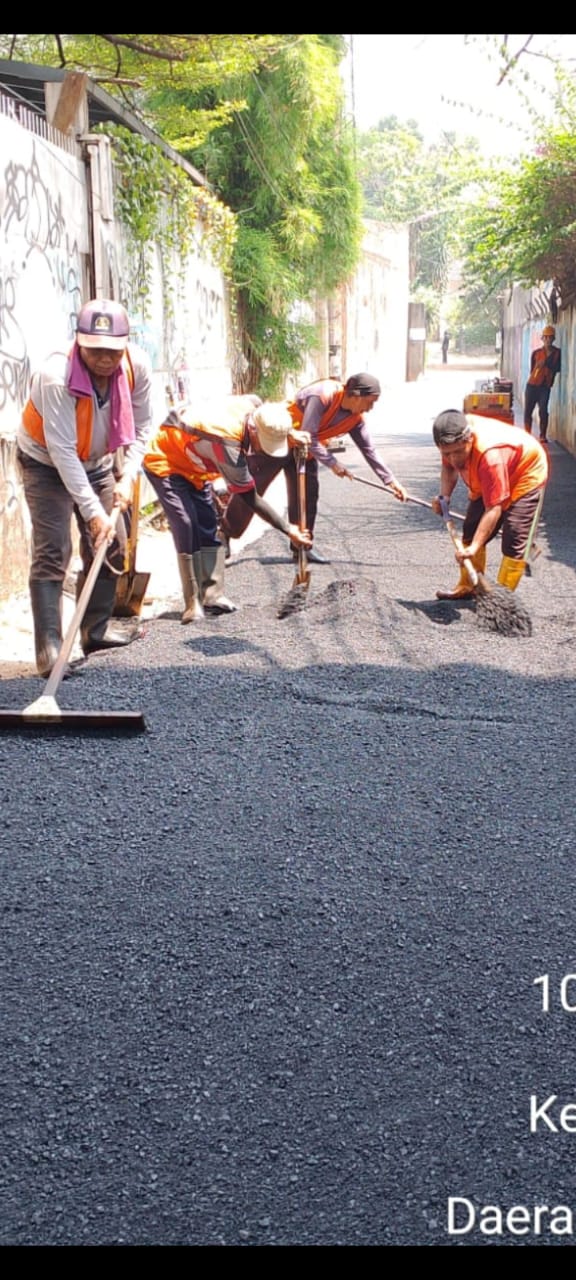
<point>268,969</point>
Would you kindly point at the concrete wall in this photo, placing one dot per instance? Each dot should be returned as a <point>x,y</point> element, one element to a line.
<point>59,245</point>
<point>44,251</point>
<point>376,318</point>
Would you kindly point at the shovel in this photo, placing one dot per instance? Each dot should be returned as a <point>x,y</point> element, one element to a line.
<point>497,608</point>
<point>456,515</point>
<point>131,586</point>
<point>45,712</point>
<point>296,598</point>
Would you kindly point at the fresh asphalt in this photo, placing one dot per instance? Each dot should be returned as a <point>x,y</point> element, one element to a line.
<point>267,970</point>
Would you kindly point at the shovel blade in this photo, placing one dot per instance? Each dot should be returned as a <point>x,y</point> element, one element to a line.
<point>131,591</point>
<point>295,601</point>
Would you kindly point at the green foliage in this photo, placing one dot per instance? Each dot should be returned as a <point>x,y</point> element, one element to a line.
<point>475,318</point>
<point>135,68</point>
<point>523,225</point>
<point>406,180</point>
<point>286,167</point>
<point>158,204</point>
<point>261,115</point>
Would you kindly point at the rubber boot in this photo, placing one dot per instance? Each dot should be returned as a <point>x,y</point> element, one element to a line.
<point>96,631</point>
<point>463,589</point>
<point>46,600</point>
<point>212,561</point>
<point>510,572</point>
<point>193,611</point>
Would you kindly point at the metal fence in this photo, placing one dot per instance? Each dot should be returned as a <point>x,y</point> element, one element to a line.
<point>36,123</point>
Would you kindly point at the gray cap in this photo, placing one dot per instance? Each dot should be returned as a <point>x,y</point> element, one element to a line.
<point>103,323</point>
<point>450,427</point>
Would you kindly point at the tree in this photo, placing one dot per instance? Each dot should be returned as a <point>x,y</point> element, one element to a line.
<point>262,116</point>
<point>134,67</point>
<point>406,180</point>
<point>523,227</point>
<point>285,166</point>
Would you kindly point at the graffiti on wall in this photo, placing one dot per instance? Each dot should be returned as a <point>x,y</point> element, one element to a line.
<point>14,362</point>
<point>8,482</point>
<point>34,213</point>
<point>40,261</point>
<point>209,313</point>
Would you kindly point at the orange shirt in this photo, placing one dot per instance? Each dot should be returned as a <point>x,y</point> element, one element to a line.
<point>505,463</point>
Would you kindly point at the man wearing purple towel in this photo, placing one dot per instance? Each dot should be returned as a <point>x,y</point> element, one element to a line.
<point>85,405</point>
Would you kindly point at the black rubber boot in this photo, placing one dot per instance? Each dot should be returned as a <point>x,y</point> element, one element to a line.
<point>46,600</point>
<point>97,632</point>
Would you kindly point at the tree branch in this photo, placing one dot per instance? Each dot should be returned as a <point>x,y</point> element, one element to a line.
<point>60,48</point>
<point>514,59</point>
<point>164,55</point>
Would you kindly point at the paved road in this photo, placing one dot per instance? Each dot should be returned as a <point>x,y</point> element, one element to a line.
<point>268,969</point>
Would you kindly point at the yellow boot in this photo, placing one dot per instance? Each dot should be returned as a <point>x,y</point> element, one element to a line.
<point>463,589</point>
<point>510,572</point>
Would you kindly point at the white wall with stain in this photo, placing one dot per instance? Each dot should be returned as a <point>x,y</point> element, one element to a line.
<point>49,251</point>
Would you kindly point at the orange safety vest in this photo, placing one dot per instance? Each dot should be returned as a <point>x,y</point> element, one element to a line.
<point>528,469</point>
<point>541,375</point>
<point>33,422</point>
<point>168,455</point>
<point>331,394</point>
<point>171,452</point>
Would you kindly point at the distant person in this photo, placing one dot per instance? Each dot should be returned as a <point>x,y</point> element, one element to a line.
<point>445,345</point>
<point>545,364</point>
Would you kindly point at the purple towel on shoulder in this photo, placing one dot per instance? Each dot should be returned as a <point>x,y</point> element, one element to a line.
<point>122,428</point>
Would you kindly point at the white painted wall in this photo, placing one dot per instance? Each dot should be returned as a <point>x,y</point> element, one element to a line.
<point>377,306</point>
<point>43,248</point>
<point>45,257</point>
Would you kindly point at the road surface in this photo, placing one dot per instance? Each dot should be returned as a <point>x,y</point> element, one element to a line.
<point>268,970</point>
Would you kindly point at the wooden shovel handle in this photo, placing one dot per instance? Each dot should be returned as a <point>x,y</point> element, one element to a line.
<point>301,452</point>
<point>57,672</point>
<point>469,567</point>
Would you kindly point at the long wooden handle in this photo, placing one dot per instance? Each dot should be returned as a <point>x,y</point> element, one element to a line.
<point>55,678</point>
<point>456,515</point>
<point>132,541</point>
<point>469,567</point>
<point>301,455</point>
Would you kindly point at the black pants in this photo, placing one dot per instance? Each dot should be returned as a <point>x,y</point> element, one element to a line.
<point>515,523</point>
<point>190,512</point>
<point>51,508</point>
<point>264,469</point>
<point>536,396</point>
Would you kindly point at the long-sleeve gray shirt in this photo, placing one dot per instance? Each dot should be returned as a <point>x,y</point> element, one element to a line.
<point>313,413</point>
<point>57,407</point>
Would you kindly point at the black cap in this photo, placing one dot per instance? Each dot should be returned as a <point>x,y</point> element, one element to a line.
<point>363,384</point>
<point>450,426</point>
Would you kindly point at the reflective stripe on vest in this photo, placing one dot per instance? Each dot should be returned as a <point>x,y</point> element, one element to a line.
<point>331,394</point>
<point>168,454</point>
<point>33,422</point>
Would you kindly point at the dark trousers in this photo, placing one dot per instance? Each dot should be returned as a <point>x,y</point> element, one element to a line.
<point>536,396</point>
<point>51,508</point>
<point>264,469</point>
<point>515,523</point>
<point>190,512</point>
